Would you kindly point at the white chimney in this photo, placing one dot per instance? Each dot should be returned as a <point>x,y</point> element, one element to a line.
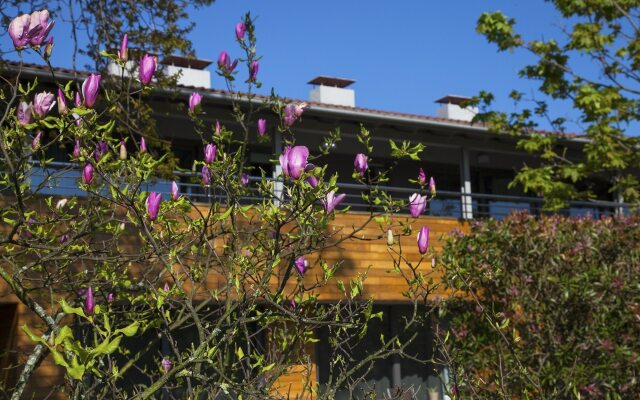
<point>451,108</point>
<point>331,90</point>
<point>192,71</point>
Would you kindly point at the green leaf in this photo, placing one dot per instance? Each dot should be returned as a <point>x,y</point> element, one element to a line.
<point>130,330</point>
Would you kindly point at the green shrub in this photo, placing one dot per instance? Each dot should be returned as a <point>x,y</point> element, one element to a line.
<point>545,308</point>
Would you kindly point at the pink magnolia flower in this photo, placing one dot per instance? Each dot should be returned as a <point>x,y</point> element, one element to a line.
<point>143,145</point>
<point>147,68</point>
<point>101,149</point>
<point>39,27</point>
<point>76,149</point>
<point>89,302</point>
<point>253,71</point>
<point>123,150</point>
<point>166,287</point>
<point>90,89</point>
<point>19,31</point>
<point>209,153</point>
<point>241,29</point>
<point>24,113</point>
<point>166,364</point>
<point>301,265</point>
<point>417,204</point>
<point>206,175</point>
<point>361,163</point>
<point>153,205</point>
<point>262,126</point>
<point>62,103</point>
<point>110,297</point>
<point>87,173</point>
<point>194,101</point>
<point>43,103</point>
<point>35,143</point>
<point>244,179</point>
<point>77,100</point>
<point>218,128</point>
<point>294,160</point>
<point>175,193</point>
<point>123,53</point>
<point>332,201</point>
<point>423,239</point>
<point>432,186</point>
<point>224,63</point>
<point>422,177</point>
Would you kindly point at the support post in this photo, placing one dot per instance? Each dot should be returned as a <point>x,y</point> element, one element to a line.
<point>466,202</point>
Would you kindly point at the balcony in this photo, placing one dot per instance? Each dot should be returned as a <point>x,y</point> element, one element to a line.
<point>61,179</point>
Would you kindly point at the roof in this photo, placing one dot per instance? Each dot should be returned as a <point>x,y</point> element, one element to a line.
<point>331,81</point>
<point>313,106</point>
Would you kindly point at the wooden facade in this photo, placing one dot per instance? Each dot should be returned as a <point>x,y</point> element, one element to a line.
<point>382,284</point>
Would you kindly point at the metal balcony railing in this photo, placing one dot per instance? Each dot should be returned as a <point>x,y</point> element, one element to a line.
<point>61,179</point>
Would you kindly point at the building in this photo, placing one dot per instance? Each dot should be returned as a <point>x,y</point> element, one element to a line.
<point>473,168</point>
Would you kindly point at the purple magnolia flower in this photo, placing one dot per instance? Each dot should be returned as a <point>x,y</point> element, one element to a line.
<point>101,149</point>
<point>110,297</point>
<point>166,364</point>
<point>48,48</point>
<point>62,103</point>
<point>194,101</point>
<point>417,204</point>
<point>123,150</point>
<point>292,112</point>
<point>218,128</point>
<point>87,173</point>
<point>361,164</point>
<point>175,193</point>
<point>147,68</point>
<point>166,287</point>
<point>89,302</point>
<point>19,31</point>
<point>206,175</point>
<point>209,153</point>
<point>262,126</point>
<point>332,201</point>
<point>224,63</point>
<point>423,239</point>
<point>422,177</point>
<point>153,205</point>
<point>77,100</point>
<point>294,160</point>
<point>76,149</point>
<point>244,179</point>
<point>43,103</point>
<point>90,89</point>
<point>143,145</point>
<point>312,181</point>
<point>432,186</point>
<point>241,28</point>
<point>24,113</point>
<point>123,53</point>
<point>35,143</point>
<point>39,27</point>
<point>64,238</point>
<point>253,70</point>
<point>301,265</point>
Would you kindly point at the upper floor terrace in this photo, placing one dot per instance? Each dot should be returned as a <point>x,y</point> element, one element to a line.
<point>473,167</point>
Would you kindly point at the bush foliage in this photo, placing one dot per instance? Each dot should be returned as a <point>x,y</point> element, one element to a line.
<point>546,308</point>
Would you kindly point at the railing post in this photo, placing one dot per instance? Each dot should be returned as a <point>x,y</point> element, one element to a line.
<point>277,170</point>
<point>620,201</point>
<point>466,201</point>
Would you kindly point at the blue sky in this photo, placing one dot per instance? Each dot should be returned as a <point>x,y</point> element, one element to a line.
<point>403,54</point>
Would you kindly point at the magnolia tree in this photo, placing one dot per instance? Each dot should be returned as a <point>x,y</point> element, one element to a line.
<point>141,294</point>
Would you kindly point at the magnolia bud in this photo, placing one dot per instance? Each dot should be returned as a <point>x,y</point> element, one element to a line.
<point>389,237</point>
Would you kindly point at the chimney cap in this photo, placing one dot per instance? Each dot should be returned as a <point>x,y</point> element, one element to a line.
<point>453,99</point>
<point>186,62</point>
<point>331,81</point>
